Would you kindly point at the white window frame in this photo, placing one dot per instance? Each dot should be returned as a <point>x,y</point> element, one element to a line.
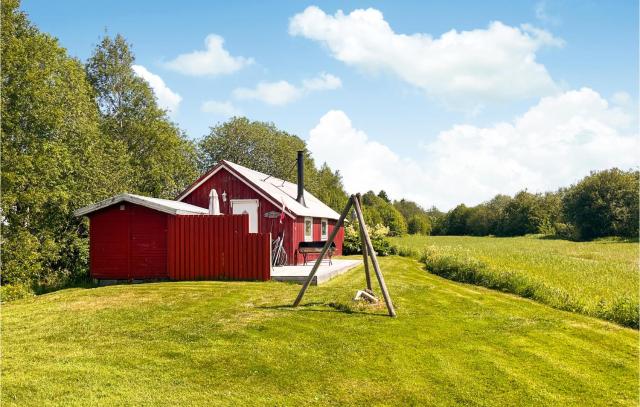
<point>325,222</point>
<point>310,237</point>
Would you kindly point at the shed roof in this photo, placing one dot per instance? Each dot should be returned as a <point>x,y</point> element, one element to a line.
<point>162,205</point>
<point>276,189</point>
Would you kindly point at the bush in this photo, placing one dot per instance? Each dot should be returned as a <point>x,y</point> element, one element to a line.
<point>404,251</point>
<point>565,231</point>
<point>11,292</point>
<point>378,235</point>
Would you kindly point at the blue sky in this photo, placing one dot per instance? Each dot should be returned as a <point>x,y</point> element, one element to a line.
<point>398,100</point>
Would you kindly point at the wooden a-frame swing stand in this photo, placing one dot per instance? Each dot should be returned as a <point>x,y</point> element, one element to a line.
<point>367,251</point>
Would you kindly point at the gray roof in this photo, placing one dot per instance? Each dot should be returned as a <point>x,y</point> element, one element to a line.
<point>162,205</point>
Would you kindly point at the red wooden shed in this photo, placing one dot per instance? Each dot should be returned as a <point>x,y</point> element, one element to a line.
<point>133,237</point>
<point>243,190</point>
<point>128,236</point>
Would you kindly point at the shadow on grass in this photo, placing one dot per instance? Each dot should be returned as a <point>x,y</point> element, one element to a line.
<point>334,307</point>
<point>601,240</point>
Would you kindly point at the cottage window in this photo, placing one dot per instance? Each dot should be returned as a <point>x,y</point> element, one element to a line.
<point>324,229</point>
<point>308,229</point>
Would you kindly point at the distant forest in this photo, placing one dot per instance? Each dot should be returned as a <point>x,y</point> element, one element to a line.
<point>75,132</point>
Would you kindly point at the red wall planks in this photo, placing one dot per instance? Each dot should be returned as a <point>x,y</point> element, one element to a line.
<point>217,247</point>
<point>298,236</point>
<point>224,181</point>
<point>109,244</point>
<point>128,242</point>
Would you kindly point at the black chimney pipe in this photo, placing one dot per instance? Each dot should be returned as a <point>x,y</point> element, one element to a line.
<point>300,197</point>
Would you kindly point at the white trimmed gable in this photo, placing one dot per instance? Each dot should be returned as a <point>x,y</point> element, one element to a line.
<point>275,189</point>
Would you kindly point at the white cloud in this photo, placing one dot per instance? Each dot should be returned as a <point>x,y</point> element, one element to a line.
<point>324,81</point>
<point>621,98</point>
<point>214,60</point>
<point>462,68</point>
<point>167,99</point>
<point>225,109</point>
<point>272,93</point>
<point>282,92</point>
<point>555,143</point>
<point>543,15</point>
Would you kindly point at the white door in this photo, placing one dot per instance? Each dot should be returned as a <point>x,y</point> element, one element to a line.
<point>250,207</point>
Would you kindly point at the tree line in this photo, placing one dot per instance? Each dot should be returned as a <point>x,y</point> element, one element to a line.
<point>604,203</point>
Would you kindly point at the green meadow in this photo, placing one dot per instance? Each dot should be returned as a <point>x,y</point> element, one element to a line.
<point>241,343</point>
<point>598,278</point>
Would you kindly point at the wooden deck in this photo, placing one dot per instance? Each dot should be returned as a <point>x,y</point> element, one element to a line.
<point>325,272</point>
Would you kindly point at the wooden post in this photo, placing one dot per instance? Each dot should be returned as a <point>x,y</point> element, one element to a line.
<point>364,254</point>
<point>332,236</point>
<point>374,259</point>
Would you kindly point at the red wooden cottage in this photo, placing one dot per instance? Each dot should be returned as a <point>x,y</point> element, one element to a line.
<point>264,198</point>
<point>219,227</point>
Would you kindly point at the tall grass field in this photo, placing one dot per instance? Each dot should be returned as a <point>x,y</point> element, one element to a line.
<point>598,278</point>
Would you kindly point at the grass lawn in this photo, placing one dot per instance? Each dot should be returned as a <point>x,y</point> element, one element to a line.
<point>595,278</point>
<point>234,343</point>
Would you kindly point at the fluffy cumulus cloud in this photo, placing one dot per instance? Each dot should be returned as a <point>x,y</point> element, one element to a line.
<point>212,61</point>
<point>282,92</point>
<point>218,108</point>
<point>462,68</point>
<point>167,99</point>
<point>553,144</point>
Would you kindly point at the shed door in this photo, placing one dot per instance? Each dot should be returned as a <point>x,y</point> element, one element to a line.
<point>109,243</point>
<point>250,207</point>
<point>147,243</point>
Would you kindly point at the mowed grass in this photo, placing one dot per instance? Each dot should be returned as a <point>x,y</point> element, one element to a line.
<point>597,278</point>
<point>240,343</point>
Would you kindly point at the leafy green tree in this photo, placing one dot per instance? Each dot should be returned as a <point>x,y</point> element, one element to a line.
<point>418,224</point>
<point>605,203</point>
<point>455,222</point>
<point>479,220</point>
<point>258,145</point>
<point>54,158</point>
<point>488,218</point>
<point>408,208</point>
<point>329,188</point>
<point>393,219</point>
<point>436,217</point>
<point>371,209</point>
<point>418,220</point>
<point>162,159</point>
<point>551,204</point>
<point>378,211</point>
<point>523,214</point>
<point>263,147</point>
<point>383,195</point>
<point>496,213</point>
